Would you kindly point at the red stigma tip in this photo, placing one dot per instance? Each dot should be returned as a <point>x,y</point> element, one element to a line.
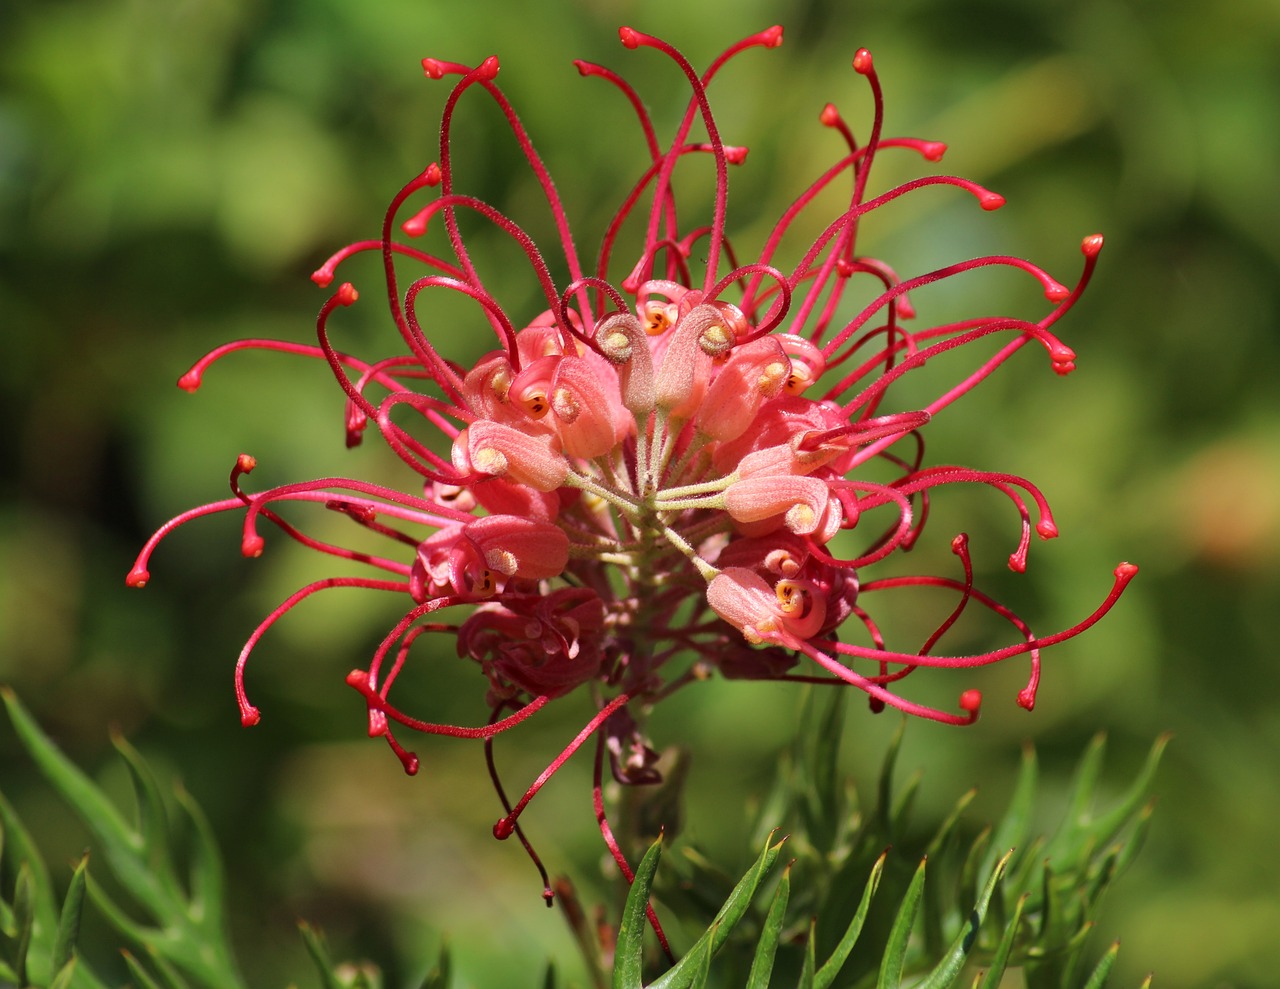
<point>829,116</point>
<point>346,294</point>
<point>249,716</point>
<point>1027,698</point>
<point>933,150</point>
<point>432,176</point>
<point>844,268</point>
<point>1126,571</point>
<point>1018,562</point>
<point>488,68</point>
<point>862,62</point>
<point>584,67</point>
<point>1063,368</point>
<point>411,763</point>
<point>504,829</point>
<point>549,896</point>
<point>1091,245</point>
<point>322,276</point>
<point>252,546</point>
<point>772,37</point>
<point>246,463</point>
<point>415,226</point>
<point>991,201</point>
<point>629,36</point>
<point>432,68</point>
<point>971,701</point>
<point>1057,292</point>
<point>1047,529</point>
<point>735,155</point>
<point>138,577</point>
<point>190,382</point>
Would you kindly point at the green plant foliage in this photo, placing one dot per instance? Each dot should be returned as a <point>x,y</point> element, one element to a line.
<point>996,898</point>
<point>964,913</point>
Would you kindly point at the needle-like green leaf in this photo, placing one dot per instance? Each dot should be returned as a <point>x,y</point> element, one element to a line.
<point>895,953</point>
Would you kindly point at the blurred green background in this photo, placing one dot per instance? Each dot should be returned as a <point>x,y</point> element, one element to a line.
<point>171,171</point>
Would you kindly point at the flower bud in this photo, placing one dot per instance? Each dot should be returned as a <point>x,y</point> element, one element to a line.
<point>503,451</point>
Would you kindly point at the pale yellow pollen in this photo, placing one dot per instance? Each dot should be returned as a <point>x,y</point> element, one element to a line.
<point>617,346</point>
<point>566,405</point>
<point>772,374</point>
<point>716,339</point>
<point>755,633</point>
<point>488,460</point>
<point>500,384</point>
<point>800,518</point>
<point>502,560</point>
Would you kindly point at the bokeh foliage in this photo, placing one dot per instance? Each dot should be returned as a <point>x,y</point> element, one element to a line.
<point>169,173</point>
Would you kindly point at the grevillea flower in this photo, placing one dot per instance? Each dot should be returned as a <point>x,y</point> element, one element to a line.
<point>638,487</point>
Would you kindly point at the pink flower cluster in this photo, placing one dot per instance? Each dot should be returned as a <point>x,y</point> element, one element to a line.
<point>639,486</point>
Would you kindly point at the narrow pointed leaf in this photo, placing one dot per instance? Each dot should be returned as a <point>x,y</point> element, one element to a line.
<point>1097,885</point>
<point>66,972</point>
<point>1064,848</point>
<point>24,896</point>
<point>895,952</point>
<point>1107,826</point>
<point>207,881</point>
<point>1012,830</point>
<point>702,963</point>
<point>64,944</point>
<point>315,945</point>
<point>948,826</point>
<point>1098,977</point>
<point>948,970</point>
<point>823,789</point>
<point>118,840</point>
<point>884,789</point>
<point>439,976</point>
<point>937,903</point>
<point>22,853</point>
<point>629,953</point>
<point>831,967</point>
<point>734,909</point>
<point>170,977</point>
<point>971,870</point>
<point>1000,960</point>
<point>1128,850</point>
<point>117,918</point>
<point>153,818</point>
<point>767,947</point>
<point>810,961</point>
<point>139,974</point>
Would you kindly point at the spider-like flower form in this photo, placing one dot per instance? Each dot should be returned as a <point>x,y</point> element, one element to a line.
<point>639,486</point>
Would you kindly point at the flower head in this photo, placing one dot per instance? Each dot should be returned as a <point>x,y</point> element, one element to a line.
<point>638,486</point>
